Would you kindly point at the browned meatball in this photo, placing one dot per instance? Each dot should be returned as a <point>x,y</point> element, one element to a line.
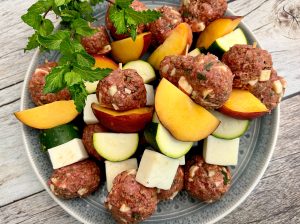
<point>253,71</point>
<point>37,83</point>
<point>161,28</point>
<point>199,13</point>
<point>129,201</point>
<point>207,80</point>
<point>122,90</point>
<point>137,6</point>
<point>98,43</point>
<point>77,180</point>
<point>87,139</point>
<point>204,181</point>
<point>176,187</point>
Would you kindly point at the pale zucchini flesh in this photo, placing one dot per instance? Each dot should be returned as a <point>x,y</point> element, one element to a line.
<point>143,68</point>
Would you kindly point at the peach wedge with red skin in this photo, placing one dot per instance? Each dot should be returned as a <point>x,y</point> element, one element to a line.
<point>186,120</point>
<point>102,61</point>
<point>175,44</point>
<point>130,121</point>
<point>243,105</point>
<point>217,29</point>
<point>128,50</point>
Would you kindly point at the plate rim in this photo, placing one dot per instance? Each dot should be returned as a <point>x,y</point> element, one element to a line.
<point>272,142</point>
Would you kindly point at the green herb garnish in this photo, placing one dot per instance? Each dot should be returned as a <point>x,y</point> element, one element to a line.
<point>208,66</point>
<point>225,178</point>
<point>201,76</point>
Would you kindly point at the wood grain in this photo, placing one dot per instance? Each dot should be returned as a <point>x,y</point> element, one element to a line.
<point>275,199</point>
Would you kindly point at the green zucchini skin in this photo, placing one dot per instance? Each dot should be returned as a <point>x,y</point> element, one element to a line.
<point>59,135</point>
<point>150,134</point>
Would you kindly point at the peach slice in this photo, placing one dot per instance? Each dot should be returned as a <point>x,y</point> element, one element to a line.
<point>175,44</point>
<point>102,61</point>
<point>128,50</point>
<point>186,120</point>
<point>216,29</point>
<point>243,105</point>
<point>48,115</point>
<point>130,121</point>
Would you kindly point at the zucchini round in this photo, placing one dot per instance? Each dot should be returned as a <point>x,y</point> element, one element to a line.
<point>143,68</point>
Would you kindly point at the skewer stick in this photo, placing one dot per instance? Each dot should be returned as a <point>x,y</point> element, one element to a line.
<point>254,44</point>
<point>187,49</point>
<point>120,66</point>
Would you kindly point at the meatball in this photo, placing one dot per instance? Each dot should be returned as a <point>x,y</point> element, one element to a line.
<point>87,139</point>
<point>98,43</point>
<point>177,186</point>
<point>129,201</point>
<point>207,80</point>
<point>37,83</point>
<point>199,13</point>
<point>204,181</point>
<point>137,6</point>
<point>77,180</point>
<point>253,70</point>
<point>161,28</point>
<point>122,90</point>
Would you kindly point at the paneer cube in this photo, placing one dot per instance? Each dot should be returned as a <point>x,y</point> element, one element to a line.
<point>88,115</point>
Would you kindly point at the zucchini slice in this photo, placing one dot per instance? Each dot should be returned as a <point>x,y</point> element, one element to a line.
<point>59,135</point>
<point>194,52</point>
<point>223,44</point>
<point>161,139</point>
<point>229,128</point>
<point>143,68</point>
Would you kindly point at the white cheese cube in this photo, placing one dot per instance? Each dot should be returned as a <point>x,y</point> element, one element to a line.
<point>67,153</point>
<point>156,170</point>
<point>112,169</point>
<point>181,160</point>
<point>91,87</point>
<point>88,115</point>
<point>220,151</point>
<point>150,95</point>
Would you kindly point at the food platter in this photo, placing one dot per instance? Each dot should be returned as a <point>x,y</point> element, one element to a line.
<point>256,148</point>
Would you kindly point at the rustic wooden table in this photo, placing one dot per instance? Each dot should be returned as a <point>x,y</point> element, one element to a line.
<point>276,199</point>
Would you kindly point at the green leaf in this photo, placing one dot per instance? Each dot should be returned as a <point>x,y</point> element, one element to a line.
<point>84,59</point>
<point>69,47</point>
<point>46,27</point>
<point>41,6</point>
<point>82,27</point>
<point>61,2</point>
<point>85,10</point>
<point>53,41</point>
<point>72,78</point>
<point>118,18</point>
<point>69,15</point>
<point>32,42</point>
<point>95,2</point>
<point>123,3</point>
<point>55,80</point>
<point>141,17</point>
<point>32,19</point>
<point>79,94</point>
<point>91,75</point>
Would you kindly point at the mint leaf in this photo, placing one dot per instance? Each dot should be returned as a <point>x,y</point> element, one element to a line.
<point>85,9</point>
<point>72,78</point>
<point>32,19</point>
<point>140,17</point>
<point>123,3</point>
<point>118,18</point>
<point>91,75</point>
<point>46,27</point>
<point>61,2</point>
<point>78,94</point>
<point>84,59</point>
<point>41,6</point>
<point>69,15</point>
<point>55,80</point>
<point>32,42</point>
<point>82,27</point>
<point>53,41</point>
<point>69,47</point>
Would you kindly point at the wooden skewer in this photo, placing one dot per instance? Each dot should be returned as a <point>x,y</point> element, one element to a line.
<point>254,44</point>
<point>120,66</point>
<point>187,49</point>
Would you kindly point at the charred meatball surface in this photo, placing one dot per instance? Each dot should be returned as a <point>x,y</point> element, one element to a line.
<point>37,83</point>
<point>87,139</point>
<point>253,70</point>
<point>176,187</point>
<point>98,43</point>
<point>137,6</point>
<point>77,180</point>
<point>129,201</point>
<point>204,181</point>
<point>199,13</point>
<point>204,78</point>
<point>161,28</point>
<point>122,90</point>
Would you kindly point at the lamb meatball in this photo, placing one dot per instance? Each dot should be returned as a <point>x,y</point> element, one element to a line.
<point>37,83</point>
<point>161,28</point>
<point>137,6</point>
<point>204,78</point>
<point>98,43</point>
<point>122,90</point>
<point>253,71</point>
<point>76,180</point>
<point>204,181</point>
<point>177,186</point>
<point>129,201</point>
<point>87,139</point>
<point>199,13</point>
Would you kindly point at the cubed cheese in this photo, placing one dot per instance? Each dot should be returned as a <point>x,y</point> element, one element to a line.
<point>88,115</point>
<point>67,154</point>
<point>112,169</point>
<point>156,170</point>
<point>220,151</point>
<point>150,95</point>
<point>182,161</point>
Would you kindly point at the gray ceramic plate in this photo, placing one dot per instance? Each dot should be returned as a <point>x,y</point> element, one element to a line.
<point>256,148</point>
